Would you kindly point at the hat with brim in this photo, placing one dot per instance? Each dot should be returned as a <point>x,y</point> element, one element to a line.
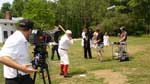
<point>26,24</point>
<point>68,32</point>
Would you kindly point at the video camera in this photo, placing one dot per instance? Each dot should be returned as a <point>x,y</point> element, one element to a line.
<point>119,43</point>
<point>39,37</point>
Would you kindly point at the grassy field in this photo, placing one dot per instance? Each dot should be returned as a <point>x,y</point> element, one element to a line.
<point>90,71</point>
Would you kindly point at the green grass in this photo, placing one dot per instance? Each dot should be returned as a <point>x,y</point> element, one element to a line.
<point>136,70</point>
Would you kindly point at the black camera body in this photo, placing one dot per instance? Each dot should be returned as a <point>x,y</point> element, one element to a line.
<point>119,43</point>
<point>39,37</point>
<point>40,55</point>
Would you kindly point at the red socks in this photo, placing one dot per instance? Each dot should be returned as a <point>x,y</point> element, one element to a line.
<point>65,70</point>
<point>61,69</point>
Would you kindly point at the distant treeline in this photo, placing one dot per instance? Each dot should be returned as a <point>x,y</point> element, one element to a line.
<point>108,15</point>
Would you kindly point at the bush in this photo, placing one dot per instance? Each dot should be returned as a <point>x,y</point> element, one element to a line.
<point>138,33</point>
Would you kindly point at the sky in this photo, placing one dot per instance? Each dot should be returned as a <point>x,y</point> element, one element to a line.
<point>4,1</point>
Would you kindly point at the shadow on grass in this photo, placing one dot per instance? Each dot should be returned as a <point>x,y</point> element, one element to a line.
<point>77,73</point>
<point>131,58</point>
<point>126,59</point>
<point>107,60</point>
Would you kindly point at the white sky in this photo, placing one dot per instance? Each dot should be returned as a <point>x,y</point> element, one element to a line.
<point>4,1</point>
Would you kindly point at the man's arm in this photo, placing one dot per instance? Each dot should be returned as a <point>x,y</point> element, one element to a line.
<point>124,37</point>
<point>11,63</point>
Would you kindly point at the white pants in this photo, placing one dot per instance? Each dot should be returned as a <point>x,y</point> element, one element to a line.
<point>63,56</point>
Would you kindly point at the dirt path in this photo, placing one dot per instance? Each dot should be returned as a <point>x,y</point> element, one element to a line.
<point>111,77</point>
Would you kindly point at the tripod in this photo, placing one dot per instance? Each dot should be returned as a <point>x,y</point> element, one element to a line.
<point>121,51</point>
<point>40,55</point>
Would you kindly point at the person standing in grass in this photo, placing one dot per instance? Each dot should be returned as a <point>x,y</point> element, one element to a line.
<point>122,41</point>
<point>99,44</point>
<point>56,33</point>
<point>15,55</point>
<point>64,44</point>
<point>94,39</point>
<point>106,39</point>
<point>86,42</point>
<point>123,34</point>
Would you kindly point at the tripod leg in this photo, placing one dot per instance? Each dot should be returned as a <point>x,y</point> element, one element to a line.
<point>47,71</point>
<point>34,78</point>
<point>42,71</point>
<point>112,52</point>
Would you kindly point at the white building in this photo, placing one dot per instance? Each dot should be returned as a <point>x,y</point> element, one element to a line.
<point>7,27</point>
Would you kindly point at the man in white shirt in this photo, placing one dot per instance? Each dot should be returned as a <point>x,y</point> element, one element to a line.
<point>15,56</point>
<point>86,42</point>
<point>64,44</point>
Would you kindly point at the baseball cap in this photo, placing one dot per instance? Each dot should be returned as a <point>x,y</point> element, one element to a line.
<point>26,24</point>
<point>68,32</point>
<point>122,28</point>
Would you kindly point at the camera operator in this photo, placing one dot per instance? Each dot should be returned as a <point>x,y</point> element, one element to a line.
<point>122,41</point>
<point>64,44</point>
<point>15,55</point>
<point>123,34</point>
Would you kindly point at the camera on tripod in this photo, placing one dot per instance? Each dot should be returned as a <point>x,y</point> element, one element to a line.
<point>119,43</point>
<point>40,39</point>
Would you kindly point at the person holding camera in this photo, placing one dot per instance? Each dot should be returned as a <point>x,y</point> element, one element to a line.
<point>15,55</point>
<point>123,34</point>
<point>64,44</point>
<point>123,39</point>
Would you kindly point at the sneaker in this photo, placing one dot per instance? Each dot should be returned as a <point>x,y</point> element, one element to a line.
<point>61,73</point>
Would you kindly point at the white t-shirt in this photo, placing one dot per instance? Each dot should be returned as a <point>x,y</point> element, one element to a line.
<point>106,40</point>
<point>83,37</point>
<point>16,48</point>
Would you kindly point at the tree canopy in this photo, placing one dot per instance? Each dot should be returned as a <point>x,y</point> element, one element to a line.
<point>78,14</point>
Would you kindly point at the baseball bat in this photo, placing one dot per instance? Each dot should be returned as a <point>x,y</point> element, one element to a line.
<point>62,28</point>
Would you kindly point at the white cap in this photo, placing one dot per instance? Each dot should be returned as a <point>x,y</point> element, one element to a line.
<point>68,32</point>
<point>122,28</point>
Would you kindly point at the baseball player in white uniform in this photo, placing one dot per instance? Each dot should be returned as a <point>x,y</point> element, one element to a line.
<point>64,44</point>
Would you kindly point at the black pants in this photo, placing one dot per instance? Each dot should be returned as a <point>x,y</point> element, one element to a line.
<point>87,50</point>
<point>55,48</point>
<point>24,80</point>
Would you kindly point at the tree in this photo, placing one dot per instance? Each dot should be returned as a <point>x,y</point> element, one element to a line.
<point>140,13</point>
<point>76,14</point>
<point>40,12</point>
<point>5,7</point>
<point>134,13</point>
<point>17,7</point>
